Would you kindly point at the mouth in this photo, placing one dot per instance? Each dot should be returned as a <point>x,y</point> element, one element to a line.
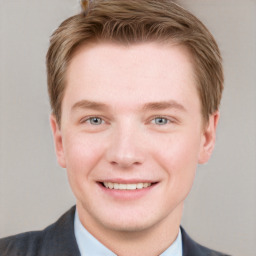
<point>127,186</point>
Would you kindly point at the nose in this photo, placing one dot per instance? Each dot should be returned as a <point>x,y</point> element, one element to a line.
<point>126,147</point>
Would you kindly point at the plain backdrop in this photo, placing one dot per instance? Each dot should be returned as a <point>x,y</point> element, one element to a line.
<point>221,209</point>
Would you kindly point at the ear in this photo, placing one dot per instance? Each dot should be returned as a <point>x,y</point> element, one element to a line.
<point>58,142</point>
<point>208,138</point>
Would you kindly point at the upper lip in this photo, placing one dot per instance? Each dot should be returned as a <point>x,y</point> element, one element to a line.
<point>129,181</point>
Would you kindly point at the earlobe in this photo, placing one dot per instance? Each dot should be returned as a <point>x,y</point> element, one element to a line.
<point>57,137</point>
<point>208,139</point>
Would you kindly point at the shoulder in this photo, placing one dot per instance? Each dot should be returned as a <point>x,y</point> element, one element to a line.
<point>56,239</point>
<point>192,248</point>
<point>26,243</point>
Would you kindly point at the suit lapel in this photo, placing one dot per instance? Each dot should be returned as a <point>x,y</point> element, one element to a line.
<point>189,247</point>
<point>60,237</point>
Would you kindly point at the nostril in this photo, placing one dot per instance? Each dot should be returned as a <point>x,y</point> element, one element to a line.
<point>118,155</point>
<point>125,163</point>
<point>114,163</point>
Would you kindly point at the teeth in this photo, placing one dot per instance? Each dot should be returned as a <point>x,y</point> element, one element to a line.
<point>121,186</point>
<point>131,186</point>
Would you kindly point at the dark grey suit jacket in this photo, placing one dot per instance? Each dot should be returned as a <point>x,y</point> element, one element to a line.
<point>59,240</point>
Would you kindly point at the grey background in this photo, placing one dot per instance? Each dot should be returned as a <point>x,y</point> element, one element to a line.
<point>220,211</point>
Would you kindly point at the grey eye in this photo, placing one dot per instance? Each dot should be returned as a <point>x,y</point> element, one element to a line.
<point>95,120</point>
<point>160,120</point>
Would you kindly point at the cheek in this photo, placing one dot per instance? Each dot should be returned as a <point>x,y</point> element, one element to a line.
<point>82,153</point>
<point>178,156</point>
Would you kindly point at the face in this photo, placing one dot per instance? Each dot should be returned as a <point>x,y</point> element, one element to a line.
<point>131,134</point>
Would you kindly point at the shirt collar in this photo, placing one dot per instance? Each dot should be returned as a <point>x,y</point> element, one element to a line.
<point>176,247</point>
<point>89,246</point>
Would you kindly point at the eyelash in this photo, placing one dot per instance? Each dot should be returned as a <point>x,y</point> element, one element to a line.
<point>167,120</point>
<point>89,119</point>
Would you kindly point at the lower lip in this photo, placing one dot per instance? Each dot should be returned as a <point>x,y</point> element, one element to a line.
<point>127,194</point>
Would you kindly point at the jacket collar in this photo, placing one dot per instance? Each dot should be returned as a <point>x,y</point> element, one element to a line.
<point>60,236</point>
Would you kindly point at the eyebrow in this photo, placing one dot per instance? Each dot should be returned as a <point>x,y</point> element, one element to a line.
<point>151,106</point>
<point>86,104</point>
<point>163,105</point>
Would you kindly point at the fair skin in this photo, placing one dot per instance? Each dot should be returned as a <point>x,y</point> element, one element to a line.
<point>131,118</point>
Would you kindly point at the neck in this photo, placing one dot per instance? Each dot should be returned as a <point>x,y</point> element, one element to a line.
<point>150,241</point>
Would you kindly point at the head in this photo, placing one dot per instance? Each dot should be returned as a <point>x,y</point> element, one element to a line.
<point>131,85</point>
<point>132,22</point>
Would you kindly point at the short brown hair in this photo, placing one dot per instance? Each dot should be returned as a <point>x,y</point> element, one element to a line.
<point>135,21</point>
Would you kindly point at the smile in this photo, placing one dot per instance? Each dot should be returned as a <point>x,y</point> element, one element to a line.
<point>121,186</point>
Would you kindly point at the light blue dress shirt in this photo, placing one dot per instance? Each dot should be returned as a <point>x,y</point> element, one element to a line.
<point>89,246</point>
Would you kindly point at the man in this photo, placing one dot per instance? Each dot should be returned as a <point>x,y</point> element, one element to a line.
<point>135,88</point>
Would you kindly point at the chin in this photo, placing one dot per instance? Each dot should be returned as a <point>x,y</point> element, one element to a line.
<point>131,222</point>
<point>129,226</point>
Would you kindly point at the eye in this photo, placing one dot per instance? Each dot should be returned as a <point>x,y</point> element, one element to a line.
<point>95,120</point>
<point>160,120</point>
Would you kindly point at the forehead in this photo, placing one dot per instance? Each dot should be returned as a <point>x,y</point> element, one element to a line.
<point>136,73</point>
